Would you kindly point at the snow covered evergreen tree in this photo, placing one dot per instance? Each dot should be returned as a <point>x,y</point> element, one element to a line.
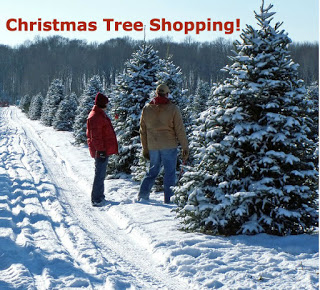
<point>200,99</point>
<point>64,118</point>
<point>199,103</point>
<point>171,75</point>
<point>85,105</point>
<point>24,103</point>
<point>51,103</point>
<point>312,109</point>
<point>35,107</point>
<point>255,169</point>
<point>212,98</point>
<point>132,92</point>
<point>312,116</point>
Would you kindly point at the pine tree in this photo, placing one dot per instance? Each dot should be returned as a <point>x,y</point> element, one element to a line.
<point>24,103</point>
<point>51,103</point>
<point>85,105</point>
<point>200,99</point>
<point>131,93</point>
<point>198,105</point>
<point>171,75</point>
<point>212,98</point>
<point>35,107</point>
<point>312,116</point>
<point>255,169</point>
<point>65,115</point>
<point>312,110</point>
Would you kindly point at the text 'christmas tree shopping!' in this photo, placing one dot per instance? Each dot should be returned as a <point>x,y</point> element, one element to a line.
<point>110,24</point>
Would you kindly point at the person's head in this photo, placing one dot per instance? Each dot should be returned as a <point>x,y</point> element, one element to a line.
<point>163,90</point>
<point>101,101</point>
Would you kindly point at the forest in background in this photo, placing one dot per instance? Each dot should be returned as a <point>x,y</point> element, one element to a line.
<point>31,67</point>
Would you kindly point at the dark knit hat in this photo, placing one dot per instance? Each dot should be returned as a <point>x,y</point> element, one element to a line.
<point>101,100</point>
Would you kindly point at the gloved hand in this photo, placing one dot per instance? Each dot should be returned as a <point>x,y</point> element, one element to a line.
<point>145,154</point>
<point>101,154</point>
<point>185,154</point>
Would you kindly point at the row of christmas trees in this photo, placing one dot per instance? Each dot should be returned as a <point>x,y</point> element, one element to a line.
<point>60,111</point>
<point>253,137</point>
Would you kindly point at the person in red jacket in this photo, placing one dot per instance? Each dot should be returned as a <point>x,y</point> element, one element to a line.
<point>102,143</point>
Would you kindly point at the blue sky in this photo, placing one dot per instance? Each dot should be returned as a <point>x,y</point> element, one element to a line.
<point>301,18</point>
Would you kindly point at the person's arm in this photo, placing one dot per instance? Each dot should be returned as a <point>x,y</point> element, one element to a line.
<point>143,136</point>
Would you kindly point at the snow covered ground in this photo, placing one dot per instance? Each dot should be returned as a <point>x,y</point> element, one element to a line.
<point>51,237</point>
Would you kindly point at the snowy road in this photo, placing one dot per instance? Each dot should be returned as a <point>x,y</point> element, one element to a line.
<point>51,237</point>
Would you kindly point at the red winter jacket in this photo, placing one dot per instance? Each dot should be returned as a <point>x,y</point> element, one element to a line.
<point>100,133</point>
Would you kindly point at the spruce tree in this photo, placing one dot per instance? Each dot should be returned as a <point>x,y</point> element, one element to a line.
<point>85,106</point>
<point>255,168</point>
<point>35,107</point>
<point>171,75</point>
<point>131,93</point>
<point>51,103</point>
<point>198,104</point>
<point>211,97</point>
<point>312,110</point>
<point>64,118</point>
<point>200,99</point>
<point>312,116</point>
<point>24,103</point>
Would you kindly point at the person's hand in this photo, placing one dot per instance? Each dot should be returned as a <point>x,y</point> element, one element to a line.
<point>146,154</point>
<point>185,154</point>
<point>101,154</point>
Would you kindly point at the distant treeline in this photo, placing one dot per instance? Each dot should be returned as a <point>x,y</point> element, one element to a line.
<point>31,67</point>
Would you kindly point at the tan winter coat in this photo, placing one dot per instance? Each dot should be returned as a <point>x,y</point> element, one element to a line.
<point>161,127</point>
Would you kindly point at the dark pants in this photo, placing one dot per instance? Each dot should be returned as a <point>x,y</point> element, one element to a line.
<point>97,193</point>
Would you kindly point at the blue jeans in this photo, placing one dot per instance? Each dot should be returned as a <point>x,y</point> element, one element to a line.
<point>167,158</point>
<point>97,193</point>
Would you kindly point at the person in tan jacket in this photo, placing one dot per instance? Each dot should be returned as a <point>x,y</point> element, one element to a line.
<point>161,131</point>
